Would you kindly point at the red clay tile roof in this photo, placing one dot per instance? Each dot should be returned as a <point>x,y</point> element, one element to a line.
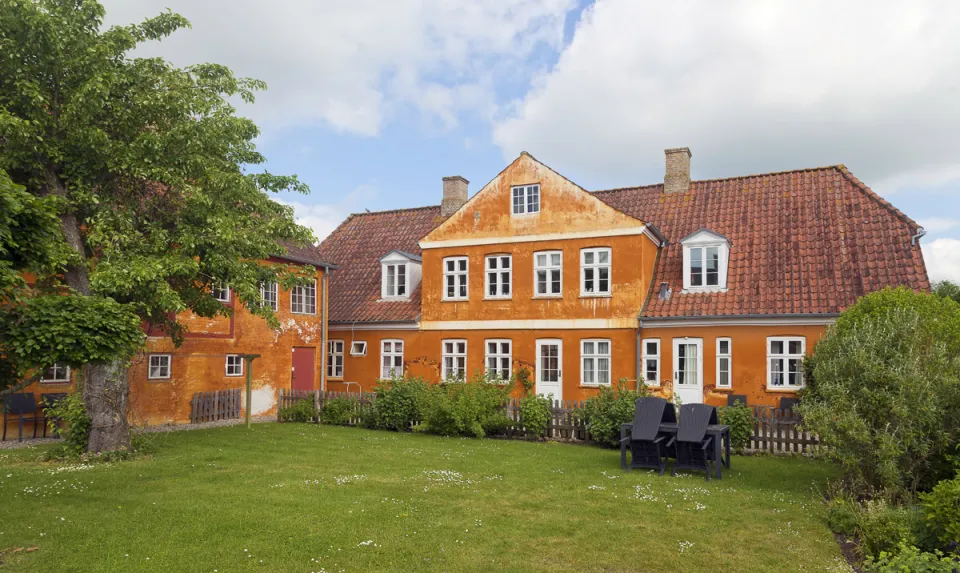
<point>802,242</point>
<point>357,246</point>
<point>303,255</point>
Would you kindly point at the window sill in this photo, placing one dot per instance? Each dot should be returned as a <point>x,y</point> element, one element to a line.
<point>334,378</point>
<point>454,300</point>
<point>547,297</point>
<point>303,313</point>
<point>54,382</point>
<point>233,375</point>
<point>498,298</point>
<point>395,299</point>
<point>582,385</point>
<point>793,389</point>
<point>524,215</point>
<point>602,295</point>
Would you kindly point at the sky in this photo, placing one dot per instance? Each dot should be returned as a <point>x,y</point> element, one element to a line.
<point>371,103</point>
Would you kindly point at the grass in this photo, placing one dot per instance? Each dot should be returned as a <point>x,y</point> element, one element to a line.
<point>307,498</point>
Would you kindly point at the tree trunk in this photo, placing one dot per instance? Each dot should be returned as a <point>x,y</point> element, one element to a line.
<point>105,385</point>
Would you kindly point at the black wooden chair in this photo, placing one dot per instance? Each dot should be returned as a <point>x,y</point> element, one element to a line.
<point>693,447</point>
<point>787,404</point>
<point>734,399</point>
<point>48,401</point>
<point>647,448</point>
<point>24,407</point>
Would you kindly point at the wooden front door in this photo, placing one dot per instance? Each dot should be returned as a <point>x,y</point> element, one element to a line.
<point>688,370</point>
<point>304,368</point>
<point>550,368</point>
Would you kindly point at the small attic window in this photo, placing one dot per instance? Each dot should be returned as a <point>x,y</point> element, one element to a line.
<point>526,199</point>
<point>394,280</point>
<point>705,258</point>
<point>400,275</point>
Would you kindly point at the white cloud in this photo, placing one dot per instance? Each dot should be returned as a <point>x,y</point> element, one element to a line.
<point>943,259</point>
<point>750,86</point>
<point>324,218</point>
<point>939,224</point>
<point>352,64</point>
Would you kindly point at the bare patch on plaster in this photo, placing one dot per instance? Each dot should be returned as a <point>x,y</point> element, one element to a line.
<point>307,332</point>
<point>263,399</point>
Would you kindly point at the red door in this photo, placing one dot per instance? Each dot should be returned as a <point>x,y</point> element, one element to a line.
<point>301,376</point>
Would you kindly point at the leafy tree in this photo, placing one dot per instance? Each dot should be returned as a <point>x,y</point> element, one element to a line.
<point>948,289</point>
<point>145,168</point>
<point>885,391</point>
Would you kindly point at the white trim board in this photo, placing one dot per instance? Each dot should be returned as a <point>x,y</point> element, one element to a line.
<point>706,321</point>
<point>533,238</point>
<point>531,324</point>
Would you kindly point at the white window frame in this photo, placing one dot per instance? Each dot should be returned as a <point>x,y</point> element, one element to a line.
<point>461,278</point>
<point>358,348</point>
<point>549,268</point>
<point>596,356</point>
<point>160,358</point>
<point>304,298</point>
<point>595,267</point>
<point>220,291</point>
<point>56,366</point>
<point>647,356</point>
<point>454,354</point>
<point>332,355</point>
<point>702,241</point>
<point>785,362</point>
<point>385,286</point>
<point>729,358</point>
<point>525,193</point>
<point>273,289</point>
<point>498,271</point>
<point>498,356</point>
<point>236,358</point>
<point>385,371</point>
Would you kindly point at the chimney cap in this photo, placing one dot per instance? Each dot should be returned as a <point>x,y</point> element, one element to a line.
<point>672,150</point>
<point>455,178</point>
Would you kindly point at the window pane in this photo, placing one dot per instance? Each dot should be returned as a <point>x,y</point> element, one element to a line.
<point>776,347</point>
<point>776,372</point>
<point>696,267</point>
<point>492,279</point>
<point>505,284</point>
<point>603,348</point>
<point>603,370</point>
<point>604,285</point>
<point>555,259</point>
<point>604,257</point>
<point>541,282</point>
<point>588,374</point>
<point>463,264</point>
<point>724,347</point>
<point>795,347</point>
<point>505,262</point>
<point>588,280</point>
<point>461,347</point>
<point>652,348</point>
<point>588,257</point>
<point>713,266</point>
<point>555,285</point>
<point>541,260</point>
<point>588,348</point>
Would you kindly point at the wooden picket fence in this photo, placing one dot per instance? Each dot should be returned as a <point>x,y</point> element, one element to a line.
<point>216,405</point>
<point>774,430</point>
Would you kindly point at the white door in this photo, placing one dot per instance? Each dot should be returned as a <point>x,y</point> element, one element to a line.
<point>550,368</point>
<point>688,370</point>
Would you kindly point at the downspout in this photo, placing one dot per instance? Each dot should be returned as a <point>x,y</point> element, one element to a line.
<point>323,333</point>
<point>639,354</point>
<point>921,232</point>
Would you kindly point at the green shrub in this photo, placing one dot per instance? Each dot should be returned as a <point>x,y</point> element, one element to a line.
<point>941,510</point>
<point>884,395</point>
<point>535,414</point>
<point>74,424</point>
<point>909,559</point>
<point>882,527</point>
<point>338,411</point>
<point>740,419</point>
<point>605,412</point>
<point>475,408</point>
<point>302,411</point>
<point>842,515</point>
<point>399,404</point>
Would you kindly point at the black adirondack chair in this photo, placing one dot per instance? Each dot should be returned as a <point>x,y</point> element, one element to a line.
<point>48,401</point>
<point>694,448</point>
<point>24,407</point>
<point>787,404</point>
<point>647,447</point>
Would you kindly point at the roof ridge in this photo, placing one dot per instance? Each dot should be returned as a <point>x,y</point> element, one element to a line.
<point>838,167</point>
<point>400,210</point>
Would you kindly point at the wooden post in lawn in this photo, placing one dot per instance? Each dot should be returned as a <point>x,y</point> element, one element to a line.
<point>248,362</point>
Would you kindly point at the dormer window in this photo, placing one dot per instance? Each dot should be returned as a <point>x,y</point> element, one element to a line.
<point>705,257</point>
<point>526,199</point>
<point>401,274</point>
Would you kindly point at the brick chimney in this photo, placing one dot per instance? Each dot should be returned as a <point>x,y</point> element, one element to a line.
<point>677,177</point>
<point>454,195</point>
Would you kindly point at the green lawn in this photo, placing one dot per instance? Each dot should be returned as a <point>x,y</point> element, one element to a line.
<point>305,498</point>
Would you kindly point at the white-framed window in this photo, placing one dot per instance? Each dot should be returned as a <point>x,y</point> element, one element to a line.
<point>234,365</point>
<point>56,373</point>
<point>454,357</point>
<point>220,291</point>
<point>785,362</point>
<point>651,361</point>
<point>455,278</point>
<point>358,348</point>
<point>595,362</point>
<point>595,271</point>
<point>391,358</point>
<point>724,363</point>
<point>526,199</point>
<point>159,367</point>
<point>335,358</point>
<point>269,294</point>
<point>705,258</point>
<point>303,299</point>
<point>395,280</point>
<point>499,359</point>
<point>499,276</point>
<point>548,273</point>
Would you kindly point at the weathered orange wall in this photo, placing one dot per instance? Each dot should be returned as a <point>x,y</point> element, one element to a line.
<point>749,364</point>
